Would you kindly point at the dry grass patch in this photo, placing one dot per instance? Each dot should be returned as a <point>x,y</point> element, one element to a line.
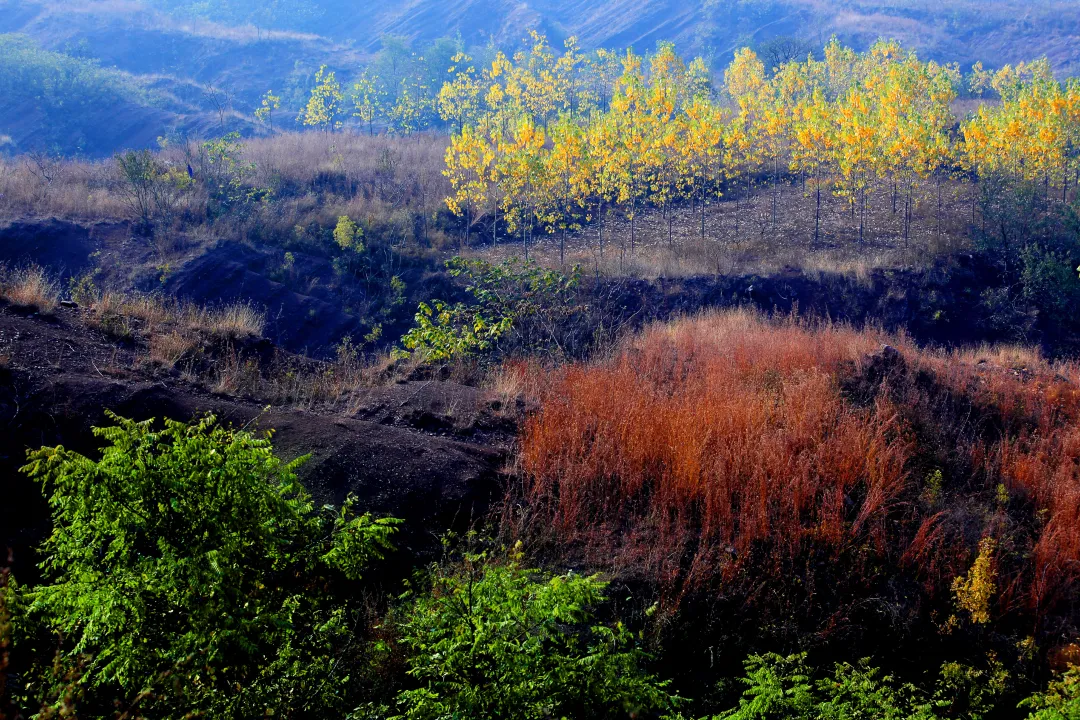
<point>30,287</point>
<point>154,314</point>
<point>233,321</point>
<point>727,454</point>
<point>169,348</point>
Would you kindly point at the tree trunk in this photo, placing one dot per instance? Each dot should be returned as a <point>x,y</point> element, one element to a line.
<point>600,224</point>
<point>907,216</point>
<point>562,246</point>
<point>974,197</point>
<point>703,211</point>
<point>670,243</point>
<point>817,214</point>
<point>862,214</point>
<point>939,208</point>
<point>776,189</point>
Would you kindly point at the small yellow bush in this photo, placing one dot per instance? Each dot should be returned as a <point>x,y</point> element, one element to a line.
<point>974,592</point>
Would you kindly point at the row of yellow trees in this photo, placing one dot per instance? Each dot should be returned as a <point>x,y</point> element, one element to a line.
<point>545,147</point>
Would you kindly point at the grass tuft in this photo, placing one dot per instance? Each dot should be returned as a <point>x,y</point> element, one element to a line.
<point>30,287</point>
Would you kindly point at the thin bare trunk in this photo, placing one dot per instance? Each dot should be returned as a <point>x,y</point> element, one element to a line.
<point>703,210</point>
<point>817,213</point>
<point>600,224</point>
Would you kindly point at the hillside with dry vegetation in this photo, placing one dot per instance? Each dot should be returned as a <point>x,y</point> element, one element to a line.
<point>541,381</point>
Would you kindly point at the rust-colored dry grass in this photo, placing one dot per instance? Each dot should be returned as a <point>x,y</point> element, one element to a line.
<point>721,453</point>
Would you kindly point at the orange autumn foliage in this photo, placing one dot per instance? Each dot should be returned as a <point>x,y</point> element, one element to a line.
<point>719,452</point>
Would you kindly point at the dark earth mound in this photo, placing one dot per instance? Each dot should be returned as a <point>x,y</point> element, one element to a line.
<point>64,247</point>
<point>941,305</point>
<point>231,272</point>
<point>59,378</point>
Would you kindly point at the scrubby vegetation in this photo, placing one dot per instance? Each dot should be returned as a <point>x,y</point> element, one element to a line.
<point>30,287</point>
<point>180,579</point>
<point>711,463</point>
<point>804,483</point>
<point>188,559</point>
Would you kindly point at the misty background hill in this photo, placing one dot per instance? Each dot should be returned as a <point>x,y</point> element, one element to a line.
<point>90,77</point>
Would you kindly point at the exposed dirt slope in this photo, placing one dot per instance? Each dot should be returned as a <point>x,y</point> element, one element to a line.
<point>402,454</point>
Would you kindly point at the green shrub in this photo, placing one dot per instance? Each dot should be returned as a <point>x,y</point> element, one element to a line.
<point>496,640</point>
<point>512,296</point>
<point>189,574</point>
<point>783,688</point>
<point>1061,701</point>
<point>348,235</point>
<point>1049,282</point>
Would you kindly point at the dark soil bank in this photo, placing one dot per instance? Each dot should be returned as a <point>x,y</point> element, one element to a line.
<point>403,455</point>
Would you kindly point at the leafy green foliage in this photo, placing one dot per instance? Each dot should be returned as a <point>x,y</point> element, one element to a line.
<point>1048,281</point>
<point>783,688</point>
<point>324,104</point>
<point>188,573</point>
<point>444,331</point>
<point>227,177</point>
<point>777,687</point>
<point>1061,701</point>
<point>497,640</point>
<point>511,295</point>
<point>348,235</point>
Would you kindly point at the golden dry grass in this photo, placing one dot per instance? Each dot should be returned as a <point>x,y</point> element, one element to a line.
<point>30,287</point>
<point>168,348</point>
<point>156,313</point>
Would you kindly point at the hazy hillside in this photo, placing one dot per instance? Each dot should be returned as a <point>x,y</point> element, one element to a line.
<point>138,74</point>
<point>160,67</point>
<point>996,32</point>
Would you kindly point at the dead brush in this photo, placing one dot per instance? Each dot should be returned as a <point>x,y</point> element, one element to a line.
<point>30,287</point>
<point>169,348</point>
<point>513,383</point>
<point>718,454</point>
<point>237,375</point>
<point>126,314</point>
<point>233,321</point>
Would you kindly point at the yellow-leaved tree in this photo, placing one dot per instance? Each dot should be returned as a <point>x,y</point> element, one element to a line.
<point>323,107</point>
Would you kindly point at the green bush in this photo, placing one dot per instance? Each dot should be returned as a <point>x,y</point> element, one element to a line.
<point>783,688</point>
<point>189,574</point>
<point>496,640</point>
<point>510,298</point>
<point>1061,701</point>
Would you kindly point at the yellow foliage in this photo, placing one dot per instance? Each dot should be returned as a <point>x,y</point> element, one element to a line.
<point>974,592</point>
<point>545,134</point>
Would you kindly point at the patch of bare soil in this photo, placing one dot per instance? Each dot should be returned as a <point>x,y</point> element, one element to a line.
<point>429,453</point>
